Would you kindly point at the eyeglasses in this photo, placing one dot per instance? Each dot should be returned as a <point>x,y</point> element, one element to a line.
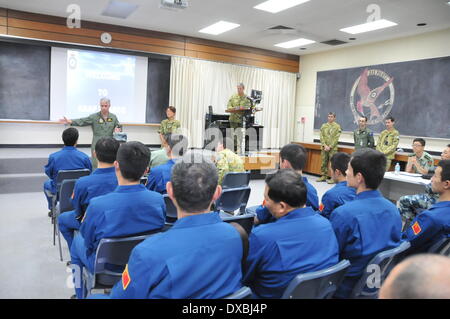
<point>416,145</point>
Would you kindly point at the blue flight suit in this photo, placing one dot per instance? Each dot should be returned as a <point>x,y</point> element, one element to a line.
<point>102,181</point>
<point>159,176</point>
<point>429,227</point>
<point>364,227</point>
<point>68,158</point>
<point>300,242</point>
<point>199,257</point>
<point>337,196</point>
<point>126,211</point>
<point>312,200</point>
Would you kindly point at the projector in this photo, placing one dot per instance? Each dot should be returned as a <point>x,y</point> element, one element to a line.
<point>174,4</point>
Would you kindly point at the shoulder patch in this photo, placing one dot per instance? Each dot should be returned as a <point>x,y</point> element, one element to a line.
<point>416,228</point>
<point>126,279</point>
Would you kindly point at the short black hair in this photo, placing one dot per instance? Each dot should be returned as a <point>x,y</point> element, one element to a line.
<point>295,154</point>
<point>70,136</point>
<point>390,117</point>
<point>287,186</point>
<point>194,181</point>
<point>177,143</point>
<point>339,161</point>
<point>420,140</point>
<point>364,117</point>
<point>332,113</point>
<point>133,158</point>
<point>173,109</point>
<point>106,149</point>
<point>445,174</point>
<point>371,164</point>
<point>448,145</point>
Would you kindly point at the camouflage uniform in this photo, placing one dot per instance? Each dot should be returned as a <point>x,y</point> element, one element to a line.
<point>329,135</point>
<point>387,144</point>
<point>426,161</point>
<point>227,161</point>
<point>236,119</point>
<point>409,204</point>
<point>100,128</point>
<point>169,126</point>
<point>363,138</point>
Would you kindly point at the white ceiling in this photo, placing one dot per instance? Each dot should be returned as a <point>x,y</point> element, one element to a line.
<point>318,20</point>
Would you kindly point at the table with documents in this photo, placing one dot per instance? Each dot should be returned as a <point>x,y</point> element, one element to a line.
<point>394,185</point>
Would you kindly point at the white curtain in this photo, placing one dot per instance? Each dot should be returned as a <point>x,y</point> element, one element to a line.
<point>196,84</point>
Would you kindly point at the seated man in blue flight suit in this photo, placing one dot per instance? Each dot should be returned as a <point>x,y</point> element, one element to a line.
<point>370,223</point>
<point>199,257</point>
<point>432,225</point>
<point>102,181</point>
<point>176,146</point>
<point>69,158</point>
<point>129,210</point>
<point>292,156</point>
<point>340,193</point>
<point>299,241</point>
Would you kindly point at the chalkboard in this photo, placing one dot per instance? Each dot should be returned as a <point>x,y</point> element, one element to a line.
<point>415,93</point>
<point>24,81</point>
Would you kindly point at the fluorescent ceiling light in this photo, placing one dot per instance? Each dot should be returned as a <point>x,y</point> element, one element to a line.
<point>294,43</point>
<point>370,26</point>
<point>219,27</point>
<point>119,9</point>
<point>275,6</point>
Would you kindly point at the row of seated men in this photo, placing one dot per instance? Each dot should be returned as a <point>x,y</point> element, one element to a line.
<point>290,236</point>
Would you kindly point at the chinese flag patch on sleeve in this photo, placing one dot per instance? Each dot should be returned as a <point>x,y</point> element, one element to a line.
<point>321,207</point>
<point>126,279</point>
<point>416,228</point>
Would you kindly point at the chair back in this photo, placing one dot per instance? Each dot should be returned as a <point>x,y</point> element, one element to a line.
<point>242,293</point>
<point>246,220</point>
<point>65,197</point>
<point>236,179</point>
<point>442,247</point>
<point>70,174</point>
<point>320,284</point>
<point>382,264</point>
<point>112,256</point>
<point>233,199</point>
<point>171,210</point>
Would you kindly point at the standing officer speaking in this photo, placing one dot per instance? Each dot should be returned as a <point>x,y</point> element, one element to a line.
<point>238,100</point>
<point>363,136</point>
<point>103,124</point>
<point>329,137</point>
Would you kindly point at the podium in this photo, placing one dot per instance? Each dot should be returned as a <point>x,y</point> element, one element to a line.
<point>247,122</point>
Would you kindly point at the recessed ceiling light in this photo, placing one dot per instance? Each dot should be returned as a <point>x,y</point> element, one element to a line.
<point>421,24</point>
<point>219,27</point>
<point>352,39</point>
<point>294,43</point>
<point>275,6</point>
<point>302,48</point>
<point>370,26</point>
<point>119,9</point>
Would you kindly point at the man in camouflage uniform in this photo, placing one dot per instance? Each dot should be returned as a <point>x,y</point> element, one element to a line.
<point>410,204</point>
<point>170,125</point>
<point>103,124</point>
<point>388,141</point>
<point>420,162</point>
<point>227,161</point>
<point>329,137</point>
<point>236,101</point>
<point>363,136</point>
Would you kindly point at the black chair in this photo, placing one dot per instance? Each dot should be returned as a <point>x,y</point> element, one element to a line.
<point>442,247</point>
<point>64,205</point>
<point>236,179</point>
<point>112,253</point>
<point>171,210</point>
<point>232,199</point>
<point>382,264</point>
<point>242,293</point>
<point>320,284</point>
<point>246,220</point>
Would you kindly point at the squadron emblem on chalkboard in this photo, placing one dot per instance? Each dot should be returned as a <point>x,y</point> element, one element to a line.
<point>375,103</point>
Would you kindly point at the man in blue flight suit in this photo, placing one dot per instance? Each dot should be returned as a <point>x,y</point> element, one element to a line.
<point>130,209</point>
<point>340,193</point>
<point>199,257</point>
<point>69,158</point>
<point>176,146</point>
<point>432,225</point>
<point>299,241</point>
<point>102,181</point>
<point>370,223</point>
<point>292,156</point>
